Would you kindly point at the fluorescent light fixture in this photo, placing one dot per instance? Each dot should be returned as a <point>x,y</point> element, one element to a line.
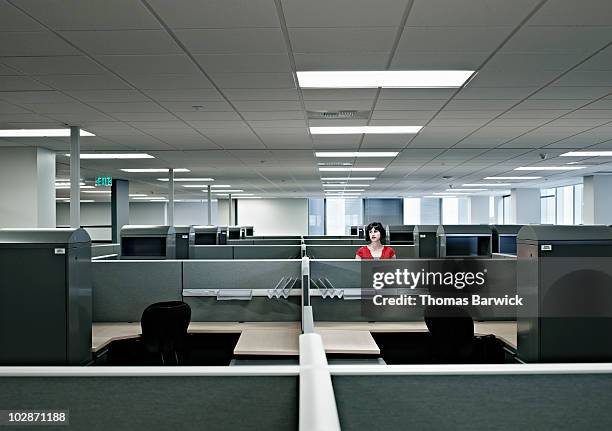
<point>154,170</point>
<point>345,185</point>
<point>251,197</point>
<point>86,200</point>
<point>65,185</point>
<point>351,169</point>
<point>356,154</point>
<point>445,194</point>
<point>150,198</point>
<point>512,178</point>
<point>340,190</point>
<point>195,186</point>
<point>549,168</point>
<point>348,178</point>
<point>466,190</point>
<point>488,184</point>
<point>39,133</point>
<point>100,192</point>
<point>243,194</point>
<point>68,187</point>
<point>587,154</point>
<point>221,186</point>
<point>182,180</point>
<point>109,156</point>
<point>359,130</point>
<point>67,200</point>
<point>384,78</point>
<point>137,195</point>
<point>228,191</point>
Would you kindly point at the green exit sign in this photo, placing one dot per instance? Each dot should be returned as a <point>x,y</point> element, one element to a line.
<point>104,181</point>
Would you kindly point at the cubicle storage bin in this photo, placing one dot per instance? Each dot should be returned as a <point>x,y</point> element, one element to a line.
<point>182,241</point>
<point>425,240</point>
<point>564,274</point>
<point>504,238</point>
<point>45,297</point>
<point>464,240</point>
<point>148,242</point>
<point>401,234</point>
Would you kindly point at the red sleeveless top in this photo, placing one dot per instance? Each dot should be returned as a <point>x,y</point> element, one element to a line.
<point>364,253</point>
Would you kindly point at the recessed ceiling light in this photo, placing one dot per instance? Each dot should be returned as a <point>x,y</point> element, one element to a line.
<point>549,168</point>
<point>358,130</point>
<point>100,156</point>
<point>356,154</point>
<point>242,194</point>
<point>67,185</point>
<point>345,185</point>
<point>587,154</point>
<point>229,191</point>
<point>488,184</point>
<point>39,133</point>
<point>466,190</point>
<point>195,186</point>
<point>512,178</point>
<point>137,195</point>
<point>151,198</point>
<point>181,180</point>
<point>348,178</point>
<point>221,186</point>
<point>351,169</point>
<point>101,192</point>
<point>340,190</point>
<point>154,170</point>
<point>384,78</point>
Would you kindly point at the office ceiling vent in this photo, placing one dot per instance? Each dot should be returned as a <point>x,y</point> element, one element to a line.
<point>339,115</point>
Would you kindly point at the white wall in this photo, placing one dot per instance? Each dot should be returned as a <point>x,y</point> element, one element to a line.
<point>273,216</point>
<point>479,210</point>
<point>148,213</point>
<point>525,206</point>
<point>188,213</point>
<point>597,205</point>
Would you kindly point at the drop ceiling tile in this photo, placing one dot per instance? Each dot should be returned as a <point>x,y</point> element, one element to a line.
<point>108,96</point>
<point>273,115</point>
<point>438,60</point>
<point>203,106</point>
<point>261,94</point>
<point>507,93</point>
<point>235,40</point>
<point>576,78</point>
<point>128,65</point>
<point>169,82</point>
<point>403,115</point>
<point>478,105</point>
<point>43,43</point>
<point>220,63</point>
<point>558,39</point>
<point>84,82</point>
<point>209,116</point>
<point>343,13</point>
<point>8,108</point>
<point>409,104</point>
<point>267,105</point>
<point>253,80</point>
<point>58,65</point>
<point>417,93</point>
<point>586,92</point>
<point>20,83</point>
<point>131,117</point>
<point>567,12</point>
<point>449,39</point>
<point>12,19</point>
<point>338,105</point>
<point>124,42</point>
<point>341,40</point>
<point>181,95</point>
<point>551,104</point>
<point>339,61</point>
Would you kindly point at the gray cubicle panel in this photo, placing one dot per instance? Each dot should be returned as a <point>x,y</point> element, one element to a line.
<point>205,235</point>
<point>400,234</point>
<point>342,302</point>
<point>425,240</point>
<point>464,240</point>
<point>332,241</point>
<point>148,242</point>
<point>243,290</point>
<point>239,242</point>
<point>45,297</point>
<point>320,251</point>
<point>214,399</point>
<point>565,276</point>
<point>267,251</point>
<point>122,289</point>
<point>98,250</point>
<point>504,238</point>
<point>234,232</point>
<point>211,252</point>
<point>182,241</point>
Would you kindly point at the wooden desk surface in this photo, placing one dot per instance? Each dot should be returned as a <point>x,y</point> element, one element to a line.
<point>281,338</point>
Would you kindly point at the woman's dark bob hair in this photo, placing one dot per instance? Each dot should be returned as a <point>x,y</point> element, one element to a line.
<point>376,226</point>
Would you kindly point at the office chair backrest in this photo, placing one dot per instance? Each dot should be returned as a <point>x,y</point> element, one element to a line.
<point>164,326</point>
<point>452,332</point>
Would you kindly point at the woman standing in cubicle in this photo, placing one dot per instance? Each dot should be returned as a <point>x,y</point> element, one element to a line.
<point>375,249</point>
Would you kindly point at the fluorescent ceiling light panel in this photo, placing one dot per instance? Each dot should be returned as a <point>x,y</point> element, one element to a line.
<point>68,187</point>
<point>351,169</point>
<point>466,190</point>
<point>348,179</point>
<point>154,170</point>
<point>345,185</point>
<point>137,195</point>
<point>182,180</point>
<point>251,197</point>
<point>549,168</point>
<point>100,192</point>
<point>384,78</point>
<point>488,184</point>
<point>195,186</point>
<point>587,154</point>
<point>228,191</point>
<point>359,130</point>
<point>356,154</point>
<point>340,190</point>
<point>243,194</point>
<point>108,156</point>
<point>151,198</point>
<point>38,133</point>
<point>512,178</point>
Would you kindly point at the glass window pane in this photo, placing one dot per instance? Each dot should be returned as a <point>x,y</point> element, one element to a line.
<point>430,211</point>
<point>412,211</point>
<point>506,203</point>
<point>450,211</point>
<point>547,210</point>
<point>341,214</point>
<point>565,205</point>
<point>578,203</point>
<point>316,213</point>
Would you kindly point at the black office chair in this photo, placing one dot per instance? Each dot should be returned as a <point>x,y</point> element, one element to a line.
<point>452,334</point>
<point>164,329</point>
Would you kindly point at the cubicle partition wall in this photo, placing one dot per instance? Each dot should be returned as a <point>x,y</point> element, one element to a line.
<point>105,251</point>
<point>464,241</point>
<point>244,252</point>
<point>425,241</point>
<point>148,242</point>
<point>182,241</point>
<point>335,290</point>
<point>322,251</point>
<point>401,234</point>
<point>504,238</point>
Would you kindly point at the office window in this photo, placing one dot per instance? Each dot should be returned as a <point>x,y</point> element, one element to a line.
<point>506,204</point>
<point>578,203</point>
<point>412,211</point>
<point>491,209</point>
<point>341,214</point>
<point>548,207</point>
<point>316,217</point>
<point>450,211</point>
<point>386,211</point>
<point>565,205</point>
<point>430,211</point>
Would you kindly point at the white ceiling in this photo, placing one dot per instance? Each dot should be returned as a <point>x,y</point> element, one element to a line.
<point>132,71</point>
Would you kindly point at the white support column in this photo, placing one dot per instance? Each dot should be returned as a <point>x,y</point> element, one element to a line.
<point>230,210</point>
<point>525,206</point>
<point>171,197</point>
<point>75,177</point>
<point>209,205</point>
<point>597,205</point>
<point>479,209</point>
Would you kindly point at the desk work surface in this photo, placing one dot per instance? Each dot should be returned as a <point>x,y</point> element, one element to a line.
<point>267,338</point>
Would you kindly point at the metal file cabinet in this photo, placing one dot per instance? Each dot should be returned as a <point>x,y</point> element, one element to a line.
<point>425,240</point>
<point>564,274</point>
<point>464,240</point>
<point>182,241</point>
<point>148,242</point>
<point>45,297</point>
<point>401,234</point>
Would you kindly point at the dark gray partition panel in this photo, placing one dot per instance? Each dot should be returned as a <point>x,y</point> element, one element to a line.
<point>218,403</point>
<point>267,251</point>
<point>104,249</point>
<point>244,275</point>
<point>320,251</point>
<point>123,289</point>
<point>275,241</point>
<point>540,402</point>
<point>239,242</point>
<point>211,252</point>
<point>148,242</point>
<point>325,241</point>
